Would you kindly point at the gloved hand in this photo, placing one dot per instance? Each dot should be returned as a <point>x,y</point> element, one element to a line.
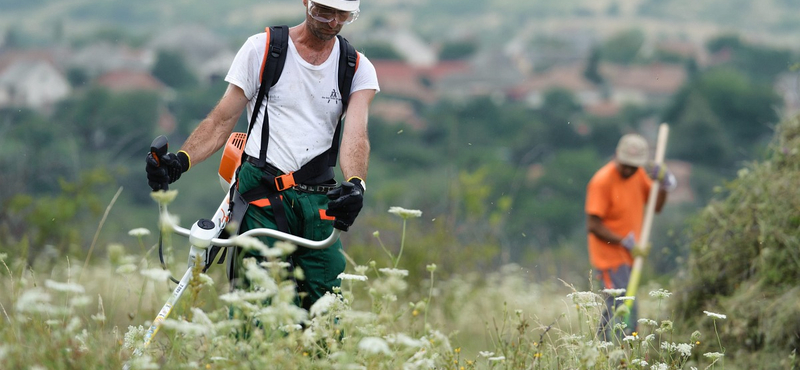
<point>628,241</point>
<point>166,169</point>
<point>346,202</point>
<point>662,174</point>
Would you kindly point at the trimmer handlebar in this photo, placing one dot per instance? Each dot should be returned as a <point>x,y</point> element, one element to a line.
<point>204,232</point>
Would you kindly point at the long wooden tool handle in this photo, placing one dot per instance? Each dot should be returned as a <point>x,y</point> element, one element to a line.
<point>650,210</point>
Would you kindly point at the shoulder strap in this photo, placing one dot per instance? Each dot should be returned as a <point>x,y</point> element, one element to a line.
<point>348,63</point>
<point>271,69</point>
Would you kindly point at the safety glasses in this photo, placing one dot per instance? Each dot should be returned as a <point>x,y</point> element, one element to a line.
<point>325,14</point>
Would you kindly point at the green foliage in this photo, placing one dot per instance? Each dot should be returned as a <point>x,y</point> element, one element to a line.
<point>732,109</point>
<point>762,63</point>
<point>623,47</point>
<point>52,221</point>
<point>458,50</point>
<point>172,70</point>
<point>379,51</point>
<point>744,257</point>
<point>592,71</point>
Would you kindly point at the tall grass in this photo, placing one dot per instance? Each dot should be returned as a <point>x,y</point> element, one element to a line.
<point>376,320</point>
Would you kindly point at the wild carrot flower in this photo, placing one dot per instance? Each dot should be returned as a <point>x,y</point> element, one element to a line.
<point>64,287</point>
<point>344,276</point>
<point>405,213</point>
<point>374,345</point>
<point>139,232</point>
<point>126,269</point>
<point>714,355</point>
<point>322,305</point>
<point>394,272</point>
<point>156,274</point>
<point>614,292</point>
<point>164,197</point>
<point>660,294</point>
<point>715,315</point>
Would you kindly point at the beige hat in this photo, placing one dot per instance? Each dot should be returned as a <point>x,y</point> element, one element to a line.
<point>632,150</point>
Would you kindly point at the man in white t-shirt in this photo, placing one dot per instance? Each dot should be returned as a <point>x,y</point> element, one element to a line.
<point>303,110</point>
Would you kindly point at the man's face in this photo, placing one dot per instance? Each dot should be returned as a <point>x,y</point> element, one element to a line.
<point>324,22</point>
<point>626,171</point>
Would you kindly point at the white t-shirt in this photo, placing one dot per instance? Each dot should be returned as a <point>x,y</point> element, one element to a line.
<point>304,105</point>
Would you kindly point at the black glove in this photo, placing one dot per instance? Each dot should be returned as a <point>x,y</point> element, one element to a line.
<point>346,201</point>
<point>165,170</point>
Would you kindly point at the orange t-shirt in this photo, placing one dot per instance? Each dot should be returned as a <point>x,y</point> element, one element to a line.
<point>620,205</point>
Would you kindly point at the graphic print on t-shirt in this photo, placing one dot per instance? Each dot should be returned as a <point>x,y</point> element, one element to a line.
<point>334,97</point>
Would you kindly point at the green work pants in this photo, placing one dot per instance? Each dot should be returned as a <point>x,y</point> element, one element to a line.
<point>305,215</point>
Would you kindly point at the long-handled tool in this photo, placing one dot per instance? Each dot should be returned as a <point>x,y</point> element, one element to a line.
<point>644,238</point>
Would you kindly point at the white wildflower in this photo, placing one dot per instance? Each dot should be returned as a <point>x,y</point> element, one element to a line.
<point>715,315</point>
<point>156,274</point>
<point>64,287</point>
<point>714,355</point>
<point>73,325</point>
<point>275,264</point>
<point>286,247</point>
<point>629,338</point>
<point>639,362</point>
<point>164,197</point>
<point>374,345</point>
<point>584,299</point>
<point>604,345</point>
<point>614,292</point>
<point>485,354</point>
<point>685,349</point>
<point>498,358</point>
<point>361,269</point>
<point>134,337</point>
<point>659,366</point>
<point>188,328</point>
<point>168,222</point>
<point>138,232</point>
<point>626,298</point>
<point>322,305</point>
<point>100,317</point>
<point>404,340</point>
<point>79,301</point>
<point>31,300</point>
<point>394,272</point>
<point>648,322</point>
<point>204,280</point>
<point>660,294</point>
<point>344,276</point>
<point>249,243</point>
<point>405,213</point>
<point>126,269</point>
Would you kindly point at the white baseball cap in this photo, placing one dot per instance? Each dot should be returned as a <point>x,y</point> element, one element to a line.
<point>632,150</point>
<point>345,5</point>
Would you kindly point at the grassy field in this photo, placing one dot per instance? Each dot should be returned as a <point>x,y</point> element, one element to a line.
<point>63,316</point>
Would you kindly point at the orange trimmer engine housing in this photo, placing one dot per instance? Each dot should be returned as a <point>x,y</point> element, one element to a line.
<point>231,159</point>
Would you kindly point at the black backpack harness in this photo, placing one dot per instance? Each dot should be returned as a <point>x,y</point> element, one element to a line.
<point>310,176</point>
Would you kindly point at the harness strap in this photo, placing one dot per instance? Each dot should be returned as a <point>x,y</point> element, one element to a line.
<point>272,66</point>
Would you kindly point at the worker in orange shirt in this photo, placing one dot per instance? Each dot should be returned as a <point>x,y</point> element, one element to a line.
<point>615,202</point>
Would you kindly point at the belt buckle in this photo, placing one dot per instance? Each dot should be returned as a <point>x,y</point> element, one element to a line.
<point>284,182</point>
